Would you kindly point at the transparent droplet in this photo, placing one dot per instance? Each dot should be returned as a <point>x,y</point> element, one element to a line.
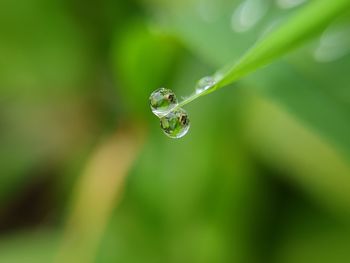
<point>162,101</point>
<point>204,84</point>
<point>175,124</point>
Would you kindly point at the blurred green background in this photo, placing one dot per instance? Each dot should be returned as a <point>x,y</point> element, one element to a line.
<point>88,176</point>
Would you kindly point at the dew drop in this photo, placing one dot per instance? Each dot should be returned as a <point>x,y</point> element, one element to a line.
<point>204,84</point>
<point>175,124</point>
<point>162,101</point>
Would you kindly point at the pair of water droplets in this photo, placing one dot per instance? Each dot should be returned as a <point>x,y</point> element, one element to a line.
<point>174,120</point>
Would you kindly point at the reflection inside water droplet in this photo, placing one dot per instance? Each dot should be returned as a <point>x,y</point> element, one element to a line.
<point>175,124</point>
<point>204,84</point>
<point>248,14</point>
<point>162,101</point>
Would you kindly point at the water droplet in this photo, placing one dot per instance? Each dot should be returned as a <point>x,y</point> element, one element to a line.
<point>175,124</point>
<point>248,14</point>
<point>162,101</point>
<point>204,84</point>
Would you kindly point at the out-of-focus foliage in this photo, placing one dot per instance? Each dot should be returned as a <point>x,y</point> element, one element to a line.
<point>262,176</point>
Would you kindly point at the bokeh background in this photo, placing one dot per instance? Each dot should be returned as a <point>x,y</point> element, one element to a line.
<point>86,174</point>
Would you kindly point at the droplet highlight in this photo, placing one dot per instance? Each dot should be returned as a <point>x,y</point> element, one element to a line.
<point>204,84</point>
<point>175,124</point>
<point>162,101</point>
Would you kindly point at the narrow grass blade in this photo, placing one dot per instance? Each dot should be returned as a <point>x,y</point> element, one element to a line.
<point>308,22</point>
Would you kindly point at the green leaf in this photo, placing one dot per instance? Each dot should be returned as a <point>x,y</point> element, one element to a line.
<point>307,23</point>
<point>304,25</point>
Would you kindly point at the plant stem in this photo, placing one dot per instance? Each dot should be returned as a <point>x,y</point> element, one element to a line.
<point>307,23</point>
